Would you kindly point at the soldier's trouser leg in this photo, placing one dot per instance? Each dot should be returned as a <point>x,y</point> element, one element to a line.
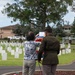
<point>49,69</point>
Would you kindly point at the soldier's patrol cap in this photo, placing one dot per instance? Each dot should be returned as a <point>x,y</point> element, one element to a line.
<point>48,29</point>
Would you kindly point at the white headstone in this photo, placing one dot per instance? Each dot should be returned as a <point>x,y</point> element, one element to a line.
<point>17,49</point>
<point>16,55</point>
<point>63,51</point>
<point>67,50</point>
<point>1,48</point>
<point>3,51</point>
<point>12,52</point>
<point>62,45</point>
<point>20,51</point>
<point>9,49</point>
<point>69,45</point>
<point>4,56</point>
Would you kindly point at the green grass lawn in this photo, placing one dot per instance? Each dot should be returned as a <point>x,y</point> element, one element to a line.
<point>67,58</point>
<point>11,61</point>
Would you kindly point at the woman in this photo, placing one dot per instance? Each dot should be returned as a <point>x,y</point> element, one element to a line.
<point>30,54</point>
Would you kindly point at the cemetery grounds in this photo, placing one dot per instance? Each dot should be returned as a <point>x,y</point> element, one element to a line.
<point>11,54</point>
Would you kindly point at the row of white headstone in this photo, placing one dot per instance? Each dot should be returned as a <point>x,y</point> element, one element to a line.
<point>64,49</point>
<point>8,48</point>
<point>19,49</point>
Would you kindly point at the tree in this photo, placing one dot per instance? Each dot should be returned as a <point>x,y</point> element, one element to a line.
<point>58,31</point>
<point>21,30</point>
<point>73,27</point>
<point>37,12</point>
<point>18,30</point>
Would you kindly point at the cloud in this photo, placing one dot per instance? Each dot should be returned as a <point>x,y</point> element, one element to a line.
<point>69,17</point>
<point>4,2</point>
<point>4,20</point>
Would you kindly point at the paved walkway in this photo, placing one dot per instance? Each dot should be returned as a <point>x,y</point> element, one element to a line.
<point>6,69</point>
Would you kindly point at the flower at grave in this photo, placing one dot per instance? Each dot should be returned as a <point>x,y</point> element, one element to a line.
<point>39,39</point>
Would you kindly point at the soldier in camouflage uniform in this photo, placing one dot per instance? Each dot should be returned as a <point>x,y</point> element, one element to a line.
<point>51,47</point>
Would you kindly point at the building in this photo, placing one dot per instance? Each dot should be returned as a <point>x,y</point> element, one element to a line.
<point>69,36</point>
<point>67,29</point>
<point>7,31</point>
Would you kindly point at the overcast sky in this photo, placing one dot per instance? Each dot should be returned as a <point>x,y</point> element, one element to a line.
<point>5,21</point>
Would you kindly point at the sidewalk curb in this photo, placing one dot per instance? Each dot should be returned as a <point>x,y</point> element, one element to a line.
<point>17,72</point>
<point>11,72</point>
